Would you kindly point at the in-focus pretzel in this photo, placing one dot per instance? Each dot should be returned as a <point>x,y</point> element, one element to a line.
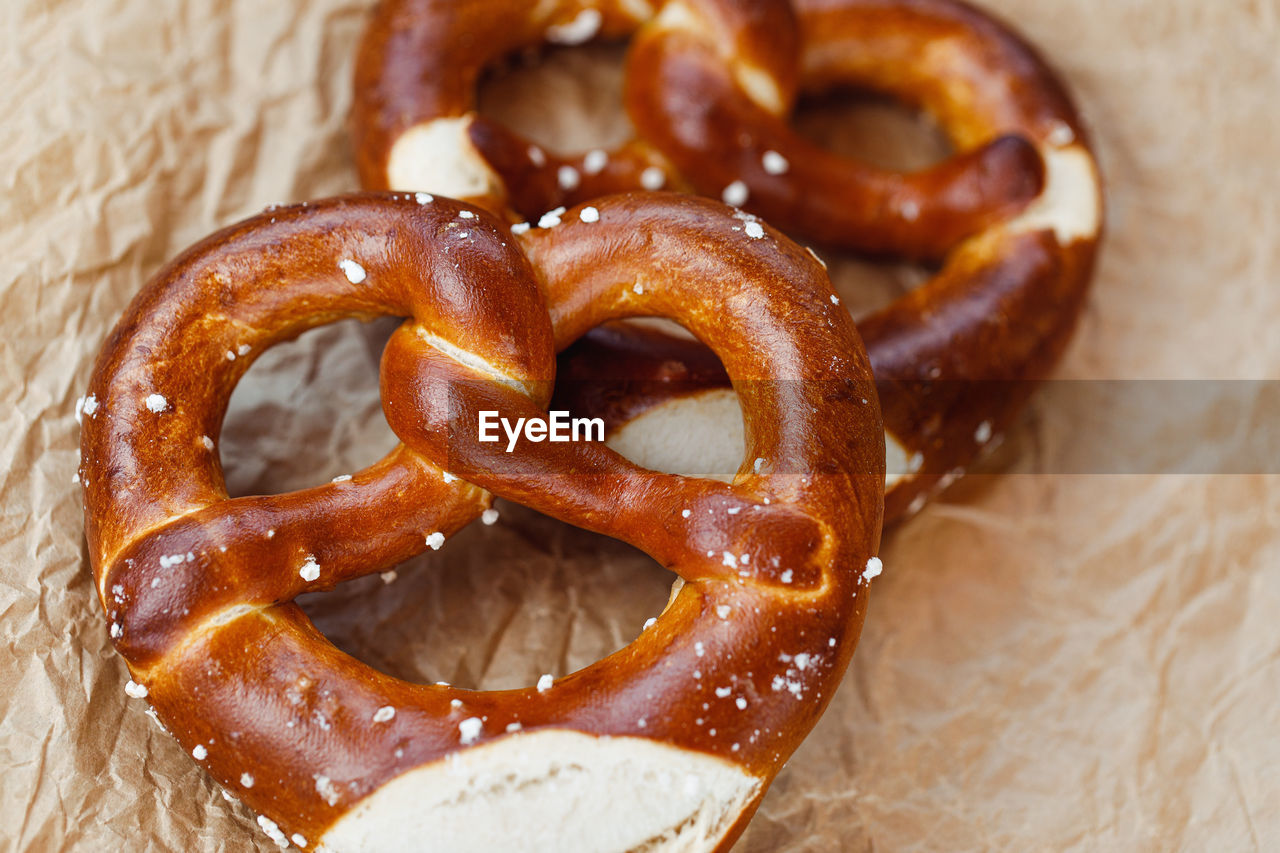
<point>669,742</point>
<point>1016,215</point>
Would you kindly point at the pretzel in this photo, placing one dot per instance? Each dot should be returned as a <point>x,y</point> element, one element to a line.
<point>415,124</point>
<point>1015,216</point>
<point>669,742</point>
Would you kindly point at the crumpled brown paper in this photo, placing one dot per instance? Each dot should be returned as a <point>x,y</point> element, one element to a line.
<point>1049,662</point>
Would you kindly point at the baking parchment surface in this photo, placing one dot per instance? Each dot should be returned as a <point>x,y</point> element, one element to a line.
<point>1051,660</point>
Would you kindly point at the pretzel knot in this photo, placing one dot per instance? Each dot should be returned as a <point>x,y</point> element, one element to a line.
<point>1014,217</point>
<point>671,740</point>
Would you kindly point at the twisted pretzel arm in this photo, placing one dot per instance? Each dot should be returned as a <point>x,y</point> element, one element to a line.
<point>414,121</point>
<point>149,466</point>
<point>682,99</point>
<point>709,86</point>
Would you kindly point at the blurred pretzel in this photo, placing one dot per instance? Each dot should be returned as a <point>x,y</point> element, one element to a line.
<point>1015,216</point>
<point>671,741</point>
<point>709,83</point>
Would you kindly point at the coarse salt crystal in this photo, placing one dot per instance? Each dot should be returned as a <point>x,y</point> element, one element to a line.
<point>435,541</point>
<point>353,271</point>
<point>589,214</point>
<point>568,178</point>
<point>551,218</point>
<point>272,829</point>
<point>327,790</point>
<point>735,195</point>
<point>157,403</point>
<point>1061,134</point>
<point>469,729</point>
<point>595,161</point>
<point>774,163</point>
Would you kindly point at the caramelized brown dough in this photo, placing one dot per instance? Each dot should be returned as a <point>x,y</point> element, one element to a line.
<point>199,587</point>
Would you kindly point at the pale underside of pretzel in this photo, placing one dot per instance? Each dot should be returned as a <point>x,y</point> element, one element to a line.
<point>1015,218</point>
<point>670,741</point>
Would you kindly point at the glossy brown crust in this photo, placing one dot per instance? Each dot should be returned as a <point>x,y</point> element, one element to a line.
<point>199,588</point>
<point>420,60</point>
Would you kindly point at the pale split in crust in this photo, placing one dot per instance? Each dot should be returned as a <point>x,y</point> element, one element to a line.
<point>553,790</point>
